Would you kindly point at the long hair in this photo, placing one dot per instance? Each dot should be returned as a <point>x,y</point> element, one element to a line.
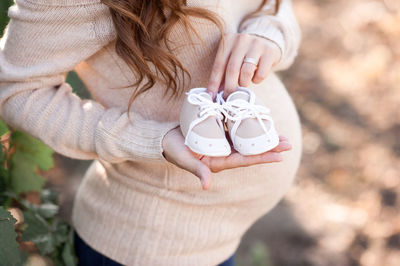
<point>143,27</point>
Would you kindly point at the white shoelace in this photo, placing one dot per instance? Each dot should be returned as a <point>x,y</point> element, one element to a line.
<point>207,108</point>
<point>239,109</point>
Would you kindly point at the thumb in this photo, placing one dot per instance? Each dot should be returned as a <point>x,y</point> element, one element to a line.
<point>202,171</point>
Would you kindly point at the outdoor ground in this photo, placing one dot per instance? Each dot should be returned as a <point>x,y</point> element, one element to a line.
<point>343,208</point>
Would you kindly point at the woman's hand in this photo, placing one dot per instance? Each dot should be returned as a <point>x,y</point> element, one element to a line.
<point>176,152</point>
<point>229,70</point>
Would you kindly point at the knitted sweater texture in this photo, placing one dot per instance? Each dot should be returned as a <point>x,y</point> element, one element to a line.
<point>133,205</point>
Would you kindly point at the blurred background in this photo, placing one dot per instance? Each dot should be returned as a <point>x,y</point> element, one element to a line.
<point>344,206</point>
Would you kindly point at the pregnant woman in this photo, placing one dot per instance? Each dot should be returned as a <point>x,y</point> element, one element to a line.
<point>141,202</point>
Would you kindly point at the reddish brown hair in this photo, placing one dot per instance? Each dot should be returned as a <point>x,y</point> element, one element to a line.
<point>143,27</point>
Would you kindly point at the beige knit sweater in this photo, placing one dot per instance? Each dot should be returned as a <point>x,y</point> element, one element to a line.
<point>133,205</point>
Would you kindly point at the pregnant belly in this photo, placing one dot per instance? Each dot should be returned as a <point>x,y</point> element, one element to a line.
<point>261,185</point>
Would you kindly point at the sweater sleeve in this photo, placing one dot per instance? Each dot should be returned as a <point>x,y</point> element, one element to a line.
<point>42,42</point>
<point>281,28</point>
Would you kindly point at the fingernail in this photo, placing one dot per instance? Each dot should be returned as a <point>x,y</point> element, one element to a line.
<point>211,94</point>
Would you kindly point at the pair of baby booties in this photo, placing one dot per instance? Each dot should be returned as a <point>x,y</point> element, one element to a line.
<point>203,122</point>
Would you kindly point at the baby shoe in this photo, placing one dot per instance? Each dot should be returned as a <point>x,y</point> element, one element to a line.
<point>201,124</point>
<point>250,127</point>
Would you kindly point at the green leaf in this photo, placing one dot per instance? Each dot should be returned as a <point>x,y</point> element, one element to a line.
<point>49,196</point>
<point>9,251</point>
<point>61,232</point>
<point>3,15</point>
<point>48,238</point>
<point>36,226</point>
<point>34,150</point>
<point>3,177</point>
<point>23,174</point>
<point>48,210</point>
<point>259,254</point>
<point>78,87</point>
<point>45,243</point>
<point>3,128</point>
<point>2,159</point>
<point>45,210</point>
<point>30,155</point>
<point>68,254</point>
<point>3,186</point>
<point>39,232</point>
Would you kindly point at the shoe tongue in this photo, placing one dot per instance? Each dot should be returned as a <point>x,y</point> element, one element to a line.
<point>206,95</point>
<point>238,95</point>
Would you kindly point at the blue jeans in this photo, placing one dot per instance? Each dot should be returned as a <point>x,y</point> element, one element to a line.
<point>90,257</point>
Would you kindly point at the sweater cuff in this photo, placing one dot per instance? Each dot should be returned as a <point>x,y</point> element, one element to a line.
<point>118,139</point>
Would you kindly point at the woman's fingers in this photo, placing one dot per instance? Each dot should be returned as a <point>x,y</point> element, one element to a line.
<point>246,73</point>
<point>264,67</point>
<point>235,160</point>
<point>218,69</point>
<point>176,152</point>
<point>283,145</point>
<point>187,161</point>
<point>270,57</point>
<point>235,63</point>
<point>282,138</point>
<point>199,169</point>
<point>248,69</point>
<point>228,68</point>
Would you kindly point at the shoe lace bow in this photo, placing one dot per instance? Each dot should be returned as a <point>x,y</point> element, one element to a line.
<point>239,109</point>
<point>207,106</point>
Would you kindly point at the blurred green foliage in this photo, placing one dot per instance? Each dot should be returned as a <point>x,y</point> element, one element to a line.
<point>77,85</point>
<point>257,255</point>
<point>20,161</point>
<point>4,4</point>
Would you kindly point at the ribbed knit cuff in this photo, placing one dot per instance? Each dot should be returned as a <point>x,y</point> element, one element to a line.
<point>266,29</point>
<point>117,139</point>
